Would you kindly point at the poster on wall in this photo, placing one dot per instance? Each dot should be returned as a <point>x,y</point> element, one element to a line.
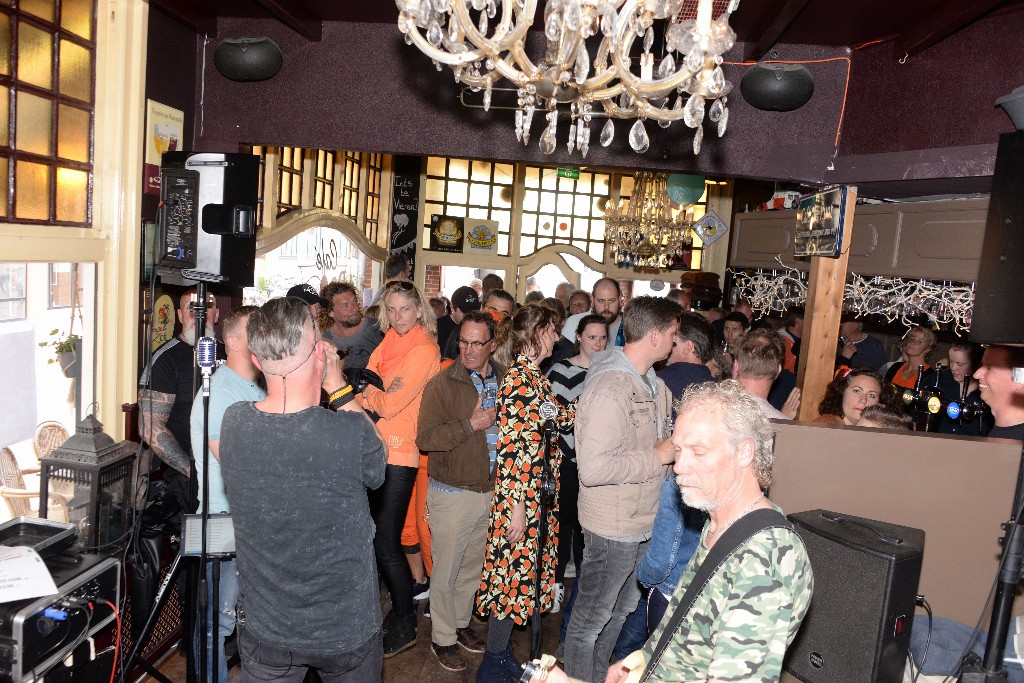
<point>819,223</point>
<point>481,237</point>
<point>405,207</point>
<point>165,129</point>
<point>163,321</point>
<point>447,233</point>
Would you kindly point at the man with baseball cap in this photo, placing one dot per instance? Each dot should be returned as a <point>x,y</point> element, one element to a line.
<point>308,295</point>
<point>464,300</point>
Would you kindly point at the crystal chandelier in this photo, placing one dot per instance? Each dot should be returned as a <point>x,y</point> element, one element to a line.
<point>646,232</point>
<point>587,61</point>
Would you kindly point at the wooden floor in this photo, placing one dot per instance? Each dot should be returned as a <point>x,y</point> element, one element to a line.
<point>417,665</point>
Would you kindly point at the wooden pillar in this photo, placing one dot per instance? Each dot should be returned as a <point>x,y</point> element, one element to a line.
<point>822,315</point>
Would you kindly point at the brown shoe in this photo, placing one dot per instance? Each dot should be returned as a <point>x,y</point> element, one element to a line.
<point>469,640</point>
<point>448,656</point>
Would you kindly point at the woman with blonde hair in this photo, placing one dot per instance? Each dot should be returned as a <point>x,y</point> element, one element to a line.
<point>405,360</point>
<point>917,345</point>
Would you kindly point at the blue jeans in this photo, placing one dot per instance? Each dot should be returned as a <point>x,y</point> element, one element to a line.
<point>639,625</point>
<point>674,539</point>
<point>263,661</point>
<point>634,630</point>
<point>225,619</point>
<point>388,505</point>
<point>608,593</point>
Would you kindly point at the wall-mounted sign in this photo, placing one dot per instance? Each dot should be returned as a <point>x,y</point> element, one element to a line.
<point>566,172</point>
<point>447,233</point>
<point>710,227</point>
<point>165,128</point>
<point>819,223</point>
<point>481,237</point>
<point>405,206</point>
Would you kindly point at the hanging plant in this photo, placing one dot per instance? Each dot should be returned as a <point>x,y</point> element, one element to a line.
<point>65,349</point>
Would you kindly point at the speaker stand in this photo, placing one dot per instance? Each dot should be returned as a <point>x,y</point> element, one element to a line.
<point>992,670</point>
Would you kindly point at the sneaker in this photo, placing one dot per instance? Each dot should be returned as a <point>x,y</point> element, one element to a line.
<point>421,591</point>
<point>559,596</point>
<point>426,608</point>
<point>470,641</point>
<point>449,657</point>
<point>401,637</point>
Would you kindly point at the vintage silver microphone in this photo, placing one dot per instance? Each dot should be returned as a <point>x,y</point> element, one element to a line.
<point>206,359</point>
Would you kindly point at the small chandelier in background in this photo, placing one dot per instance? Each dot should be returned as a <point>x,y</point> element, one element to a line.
<point>484,41</point>
<point>646,232</point>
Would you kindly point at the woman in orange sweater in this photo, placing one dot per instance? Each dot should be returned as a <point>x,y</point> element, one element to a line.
<point>405,360</point>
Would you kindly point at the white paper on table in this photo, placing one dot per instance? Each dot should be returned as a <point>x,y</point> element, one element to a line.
<point>23,574</point>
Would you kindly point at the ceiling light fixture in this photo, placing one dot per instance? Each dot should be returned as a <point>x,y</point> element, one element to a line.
<point>587,61</point>
<point>646,231</point>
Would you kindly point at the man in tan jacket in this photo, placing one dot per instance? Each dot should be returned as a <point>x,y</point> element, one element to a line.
<point>623,452</point>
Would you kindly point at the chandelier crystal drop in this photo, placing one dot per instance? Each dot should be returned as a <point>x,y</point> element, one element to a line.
<point>646,231</point>
<point>587,61</point>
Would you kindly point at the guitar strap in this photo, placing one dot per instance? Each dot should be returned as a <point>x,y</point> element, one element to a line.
<point>735,536</point>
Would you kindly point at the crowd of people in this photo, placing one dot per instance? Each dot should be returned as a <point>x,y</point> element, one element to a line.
<point>466,453</point>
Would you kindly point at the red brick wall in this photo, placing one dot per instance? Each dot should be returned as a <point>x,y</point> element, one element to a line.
<point>432,281</point>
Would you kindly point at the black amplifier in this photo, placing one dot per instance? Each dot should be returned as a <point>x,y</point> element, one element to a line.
<point>37,633</point>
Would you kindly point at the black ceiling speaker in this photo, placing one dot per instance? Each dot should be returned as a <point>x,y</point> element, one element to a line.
<point>248,59</point>
<point>777,87</point>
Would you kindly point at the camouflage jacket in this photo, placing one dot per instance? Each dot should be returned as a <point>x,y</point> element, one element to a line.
<point>749,612</point>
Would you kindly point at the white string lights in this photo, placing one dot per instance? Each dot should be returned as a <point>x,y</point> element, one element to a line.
<point>907,301</point>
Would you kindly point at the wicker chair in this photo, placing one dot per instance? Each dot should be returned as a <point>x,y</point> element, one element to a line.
<point>49,435</point>
<point>17,497</point>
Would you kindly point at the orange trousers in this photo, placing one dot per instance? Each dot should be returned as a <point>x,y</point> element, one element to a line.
<point>416,529</point>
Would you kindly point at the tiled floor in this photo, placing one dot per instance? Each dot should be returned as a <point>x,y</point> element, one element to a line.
<point>419,665</point>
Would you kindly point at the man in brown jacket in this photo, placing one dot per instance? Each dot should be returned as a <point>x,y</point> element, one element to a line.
<point>623,451</point>
<point>457,429</point>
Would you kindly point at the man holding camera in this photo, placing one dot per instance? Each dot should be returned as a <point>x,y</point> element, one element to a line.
<point>457,430</point>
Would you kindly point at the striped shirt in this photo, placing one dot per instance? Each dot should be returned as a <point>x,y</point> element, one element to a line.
<point>567,385</point>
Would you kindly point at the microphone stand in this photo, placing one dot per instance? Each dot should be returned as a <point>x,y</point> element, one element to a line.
<point>204,606</point>
<point>198,308</point>
<point>545,492</point>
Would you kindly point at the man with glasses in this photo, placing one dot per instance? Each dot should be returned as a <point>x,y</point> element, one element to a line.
<point>457,430</point>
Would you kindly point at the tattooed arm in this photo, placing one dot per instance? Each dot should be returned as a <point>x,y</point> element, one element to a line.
<point>154,410</point>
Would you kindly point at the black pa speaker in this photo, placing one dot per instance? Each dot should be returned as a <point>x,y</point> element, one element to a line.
<point>208,218</point>
<point>998,316</point>
<point>857,629</point>
<point>777,87</point>
<point>248,59</point>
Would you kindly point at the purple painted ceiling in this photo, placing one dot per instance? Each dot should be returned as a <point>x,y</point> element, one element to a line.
<point>925,124</point>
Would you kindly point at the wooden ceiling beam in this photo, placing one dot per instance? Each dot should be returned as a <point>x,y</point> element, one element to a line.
<point>774,30</point>
<point>945,20</point>
<point>188,14</point>
<point>310,29</point>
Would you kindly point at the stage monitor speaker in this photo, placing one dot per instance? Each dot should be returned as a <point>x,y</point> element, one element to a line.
<point>857,629</point>
<point>998,316</point>
<point>208,218</point>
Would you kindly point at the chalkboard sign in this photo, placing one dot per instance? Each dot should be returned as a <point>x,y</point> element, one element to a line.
<point>405,205</point>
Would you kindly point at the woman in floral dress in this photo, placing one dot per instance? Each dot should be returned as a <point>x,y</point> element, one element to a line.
<point>507,592</point>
